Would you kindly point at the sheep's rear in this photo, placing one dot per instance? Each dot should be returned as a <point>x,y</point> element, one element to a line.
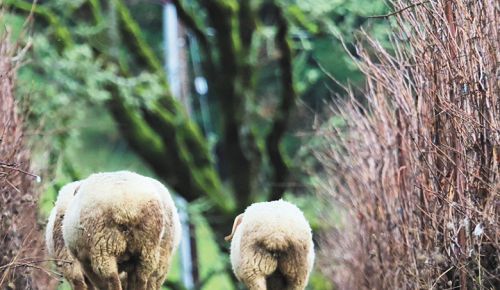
<point>283,257</point>
<point>115,224</point>
<point>272,247</point>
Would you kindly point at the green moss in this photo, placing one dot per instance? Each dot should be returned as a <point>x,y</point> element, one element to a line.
<point>62,35</point>
<point>133,28</point>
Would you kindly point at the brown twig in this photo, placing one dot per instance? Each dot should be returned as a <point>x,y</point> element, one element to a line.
<point>416,169</point>
<point>13,166</point>
<point>399,11</point>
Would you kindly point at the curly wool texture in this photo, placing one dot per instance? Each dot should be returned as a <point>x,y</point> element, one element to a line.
<point>116,222</point>
<point>272,247</point>
<point>171,235</point>
<point>65,262</point>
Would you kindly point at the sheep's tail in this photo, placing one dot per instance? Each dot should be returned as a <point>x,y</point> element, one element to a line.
<point>144,221</point>
<point>275,242</point>
<point>147,212</point>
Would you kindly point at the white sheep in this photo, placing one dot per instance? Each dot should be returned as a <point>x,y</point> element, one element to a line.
<point>272,247</point>
<point>119,221</point>
<point>66,264</point>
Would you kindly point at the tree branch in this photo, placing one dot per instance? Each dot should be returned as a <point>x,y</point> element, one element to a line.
<point>137,132</point>
<point>189,21</point>
<point>280,122</point>
<point>399,11</point>
<point>174,149</point>
<point>144,50</point>
<point>247,24</point>
<point>62,34</point>
<point>191,24</point>
<point>230,91</point>
<point>194,173</point>
<point>246,28</point>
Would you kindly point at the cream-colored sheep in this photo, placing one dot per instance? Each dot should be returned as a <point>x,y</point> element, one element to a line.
<point>117,222</point>
<point>272,247</point>
<point>66,264</point>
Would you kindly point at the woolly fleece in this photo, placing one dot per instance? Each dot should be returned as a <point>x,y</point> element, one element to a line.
<point>116,218</point>
<point>171,235</point>
<point>65,262</point>
<point>272,248</point>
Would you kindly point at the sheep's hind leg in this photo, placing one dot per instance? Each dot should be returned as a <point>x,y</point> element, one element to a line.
<point>89,284</point>
<point>159,276</point>
<point>255,283</point>
<point>91,278</point>
<point>295,273</point>
<point>106,268</point>
<point>137,281</point>
<point>154,282</point>
<point>78,285</point>
<point>114,282</point>
<point>139,278</point>
<point>297,282</point>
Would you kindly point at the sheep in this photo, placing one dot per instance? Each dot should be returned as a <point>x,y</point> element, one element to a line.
<point>272,247</point>
<point>66,264</point>
<point>119,221</point>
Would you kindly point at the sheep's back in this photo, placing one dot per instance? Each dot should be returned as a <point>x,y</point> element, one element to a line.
<point>122,195</point>
<point>276,225</point>
<point>116,204</point>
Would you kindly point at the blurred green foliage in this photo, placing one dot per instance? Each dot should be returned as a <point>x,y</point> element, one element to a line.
<point>320,27</point>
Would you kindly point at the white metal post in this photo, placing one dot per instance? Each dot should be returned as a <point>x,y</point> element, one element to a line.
<point>172,68</point>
